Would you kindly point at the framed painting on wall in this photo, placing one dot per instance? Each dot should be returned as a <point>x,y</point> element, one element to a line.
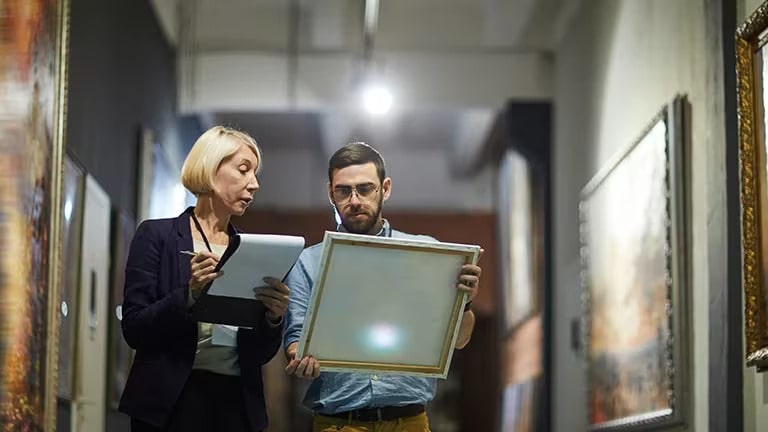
<point>120,354</point>
<point>635,281</point>
<point>521,229</point>
<point>160,193</point>
<point>72,227</point>
<point>523,376</point>
<point>33,52</point>
<point>752,75</point>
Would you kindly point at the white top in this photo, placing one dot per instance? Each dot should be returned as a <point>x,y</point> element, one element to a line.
<point>210,357</point>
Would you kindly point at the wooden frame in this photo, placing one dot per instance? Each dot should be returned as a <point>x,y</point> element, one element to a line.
<point>33,78</point>
<point>751,69</point>
<point>413,273</point>
<point>635,277</point>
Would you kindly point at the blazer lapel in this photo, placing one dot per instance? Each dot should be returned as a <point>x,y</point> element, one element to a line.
<point>184,242</point>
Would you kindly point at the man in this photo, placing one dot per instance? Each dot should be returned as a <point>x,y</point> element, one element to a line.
<point>358,187</point>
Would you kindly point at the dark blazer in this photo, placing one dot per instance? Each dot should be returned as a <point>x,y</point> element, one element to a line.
<point>156,324</point>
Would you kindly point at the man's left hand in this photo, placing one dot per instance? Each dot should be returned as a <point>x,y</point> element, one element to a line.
<point>469,278</point>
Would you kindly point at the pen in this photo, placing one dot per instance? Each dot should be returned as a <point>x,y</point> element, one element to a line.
<point>186,252</point>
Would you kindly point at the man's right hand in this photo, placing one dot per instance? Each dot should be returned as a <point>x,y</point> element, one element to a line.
<point>307,367</point>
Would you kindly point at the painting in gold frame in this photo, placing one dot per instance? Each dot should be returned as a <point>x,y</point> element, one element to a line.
<point>634,274</point>
<point>752,74</point>
<point>367,327</point>
<point>33,52</point>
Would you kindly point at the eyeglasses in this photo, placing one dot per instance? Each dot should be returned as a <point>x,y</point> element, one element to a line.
<point>365,192</point>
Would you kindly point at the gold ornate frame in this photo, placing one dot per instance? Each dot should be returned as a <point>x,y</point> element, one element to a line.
<point>750,37</point>
<point>55,251</point>
<point>469,253</point>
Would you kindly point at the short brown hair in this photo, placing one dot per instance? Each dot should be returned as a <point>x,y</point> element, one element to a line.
<point>356,153</point>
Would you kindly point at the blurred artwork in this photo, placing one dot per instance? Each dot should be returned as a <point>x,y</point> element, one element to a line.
<point>523,376</point>
<point>521,216</point>
<point>71,234</point>
<point>120,354</point>
<point>29,36</point>
<point>633,278</point>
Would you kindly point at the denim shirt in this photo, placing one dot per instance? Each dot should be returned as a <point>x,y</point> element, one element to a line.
<point>335,392</point>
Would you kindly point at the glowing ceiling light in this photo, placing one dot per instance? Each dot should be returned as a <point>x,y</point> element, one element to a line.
<point>377,99</point>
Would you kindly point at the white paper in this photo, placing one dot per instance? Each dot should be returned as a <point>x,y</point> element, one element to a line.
<point>258,256</point>
<point>224,335</point>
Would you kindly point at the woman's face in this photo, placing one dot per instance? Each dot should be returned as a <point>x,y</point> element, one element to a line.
<point>235,181</point>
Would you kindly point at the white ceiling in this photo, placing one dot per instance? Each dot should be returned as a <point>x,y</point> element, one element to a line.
<point>424,25</point>
<point>285,70</point>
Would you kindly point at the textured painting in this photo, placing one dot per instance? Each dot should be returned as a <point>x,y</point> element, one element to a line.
<point>632,255</point>
<point>32,38</point>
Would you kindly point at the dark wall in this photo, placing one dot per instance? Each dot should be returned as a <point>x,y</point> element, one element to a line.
<point>122,75</point>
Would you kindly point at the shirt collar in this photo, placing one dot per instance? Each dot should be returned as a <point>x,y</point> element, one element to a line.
<point>385,231</point>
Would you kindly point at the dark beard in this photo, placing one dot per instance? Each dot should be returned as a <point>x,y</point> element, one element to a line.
<point>364,227</point>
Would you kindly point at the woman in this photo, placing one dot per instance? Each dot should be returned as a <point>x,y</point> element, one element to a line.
<point>179,380</point>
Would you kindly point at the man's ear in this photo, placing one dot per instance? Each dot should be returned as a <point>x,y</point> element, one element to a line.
<point>386,187</point>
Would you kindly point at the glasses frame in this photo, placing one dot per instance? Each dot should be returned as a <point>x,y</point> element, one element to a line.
<point>354,191</point>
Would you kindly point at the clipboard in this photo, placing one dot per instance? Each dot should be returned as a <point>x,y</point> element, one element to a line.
<point>247,260</point>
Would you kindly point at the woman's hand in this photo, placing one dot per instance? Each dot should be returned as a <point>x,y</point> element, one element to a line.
<point>274,296</point>
<point>203,266</point>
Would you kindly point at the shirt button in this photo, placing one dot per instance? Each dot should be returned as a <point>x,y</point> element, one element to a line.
<point>374,377</point>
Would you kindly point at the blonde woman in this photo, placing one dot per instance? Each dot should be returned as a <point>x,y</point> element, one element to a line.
<point>179,380</point>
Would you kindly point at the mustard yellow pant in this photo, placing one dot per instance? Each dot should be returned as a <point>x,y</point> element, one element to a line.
<point>418,423</point>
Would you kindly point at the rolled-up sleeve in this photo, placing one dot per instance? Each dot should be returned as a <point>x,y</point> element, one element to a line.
<point>300,283</point>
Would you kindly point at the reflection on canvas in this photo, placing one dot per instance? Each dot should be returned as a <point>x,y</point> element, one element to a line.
<point>628,244</point>
<point>27,106</point>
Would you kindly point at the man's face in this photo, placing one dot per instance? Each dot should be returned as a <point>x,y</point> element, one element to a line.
<point>358,196</point>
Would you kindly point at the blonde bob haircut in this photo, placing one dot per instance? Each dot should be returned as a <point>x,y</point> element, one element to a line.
<point>210,150</point>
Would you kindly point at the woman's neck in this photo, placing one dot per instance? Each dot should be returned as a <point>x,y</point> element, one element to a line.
<point>212,220</point>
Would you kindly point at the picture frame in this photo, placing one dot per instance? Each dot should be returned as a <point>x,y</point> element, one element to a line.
<point>33,78</point>
<point>635,281</point>
<point>520,224</point>
<point>751,50</point>
<point>73,196</point>
<point>385,333</point>
<point>120,354</point>
<point>523,378</point>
